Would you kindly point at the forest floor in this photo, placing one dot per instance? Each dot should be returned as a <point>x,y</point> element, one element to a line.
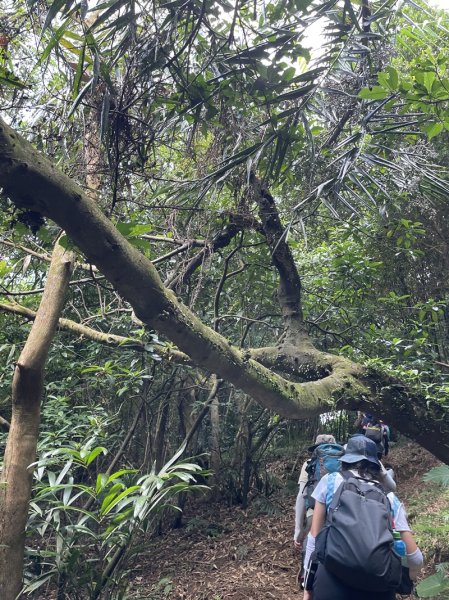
<point>226,553</point>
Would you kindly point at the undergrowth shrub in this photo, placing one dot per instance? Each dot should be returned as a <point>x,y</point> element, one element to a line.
<point>85,532</point>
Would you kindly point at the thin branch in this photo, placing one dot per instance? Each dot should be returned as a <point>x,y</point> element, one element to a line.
<point>108,339</point>
<point>46,257</point>
<point>5,424</point>
<point>223,279</point>
<point>40,290</point>
<point>168,240</point>
<point>170,254</point>
<point>42,256</point>
<point>217,383</point>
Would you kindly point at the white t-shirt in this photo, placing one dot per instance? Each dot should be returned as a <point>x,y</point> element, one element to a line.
<point>399,514</point>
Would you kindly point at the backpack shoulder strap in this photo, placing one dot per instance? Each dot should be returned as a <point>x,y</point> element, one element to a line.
<point>348,475</point>
<point>330,488</point>
<point>395,505</point>
<point>311,463</point>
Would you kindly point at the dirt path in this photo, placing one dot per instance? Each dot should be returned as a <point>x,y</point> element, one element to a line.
<point>226,553</point>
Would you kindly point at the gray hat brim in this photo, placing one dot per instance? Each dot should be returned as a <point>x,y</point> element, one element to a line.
<point>354,458</point>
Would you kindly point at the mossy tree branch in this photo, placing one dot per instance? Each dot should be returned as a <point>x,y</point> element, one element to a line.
<point>338,382</point>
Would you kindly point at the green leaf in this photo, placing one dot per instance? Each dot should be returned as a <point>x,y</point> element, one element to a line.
<point>101,482</point>
<point>131,229</point>
<point>106,509</point>
<point>433,585</point>
<point>288,74</point>
<point>115,489</point>
<point>66,242</point>
<point>352,15</point>
<point>94,453</point>
<point>433,129</point>
<point>78,99</point>
<point>118,474</point>
<point>428,79</point>
<point>374,93</point>
<point>54,39</point>
<point>37,583</point>
<point>110,11</point>
<point>9,79</point>
<point>78,73</point>
<point>293,94</point>
<point>389,79</point>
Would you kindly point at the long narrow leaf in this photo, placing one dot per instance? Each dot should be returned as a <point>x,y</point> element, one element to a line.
<point>54,40</point>
<point>79,72</point>
<point>78,99</point>
<point>55,7</point>
<point>117,5</point>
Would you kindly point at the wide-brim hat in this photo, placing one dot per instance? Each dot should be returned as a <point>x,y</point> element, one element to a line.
<point>360,448</point>
<point>323,438</point>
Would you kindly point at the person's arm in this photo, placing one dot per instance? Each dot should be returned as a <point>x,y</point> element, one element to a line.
<point>319,516</point>
<point>300,509</point>
<point>386,479</point>
<point>413,554</point>
<point>300,513</point>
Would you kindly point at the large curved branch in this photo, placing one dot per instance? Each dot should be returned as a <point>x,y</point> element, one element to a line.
<point>56,196</point>
<point>33,182</point>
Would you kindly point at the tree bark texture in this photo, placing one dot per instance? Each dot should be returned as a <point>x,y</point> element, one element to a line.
<point>296,382</point>
<point>16,479</point>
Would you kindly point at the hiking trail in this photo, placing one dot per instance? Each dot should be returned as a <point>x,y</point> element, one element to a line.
<point>226,553</point>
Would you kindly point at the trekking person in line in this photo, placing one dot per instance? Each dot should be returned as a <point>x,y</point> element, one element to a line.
<point>386,476</point>
<point>362,421</point>
<point>308,479</point>
<point>303,516</point>
<point>385,437</point>
<point>376,430</point>
<point>339,540</point>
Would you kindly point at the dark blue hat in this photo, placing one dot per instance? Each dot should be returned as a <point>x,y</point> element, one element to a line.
<point>360,448</point>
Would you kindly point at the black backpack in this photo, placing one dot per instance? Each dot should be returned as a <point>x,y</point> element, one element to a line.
<point>374,432</point>
<point>356,544</point>
<point>325,459</point>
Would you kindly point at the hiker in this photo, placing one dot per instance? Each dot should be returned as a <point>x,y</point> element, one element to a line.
<point>312,470</point>
<point>361,421</point>
<point>303,516</point>
<point>385,437</point>
<point>386,476</point>
<point>343,577</point>
<point>378,431</point>
<point>367,419</point>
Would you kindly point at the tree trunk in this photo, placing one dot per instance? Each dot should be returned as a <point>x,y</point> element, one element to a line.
<point>16,480</point>
<point>159,450</point>
<point>214,445</point>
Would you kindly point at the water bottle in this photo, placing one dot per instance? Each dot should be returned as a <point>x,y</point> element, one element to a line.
<point>399,546</point>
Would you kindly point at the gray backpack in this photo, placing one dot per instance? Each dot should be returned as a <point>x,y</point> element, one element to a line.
<point>356,543</point>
